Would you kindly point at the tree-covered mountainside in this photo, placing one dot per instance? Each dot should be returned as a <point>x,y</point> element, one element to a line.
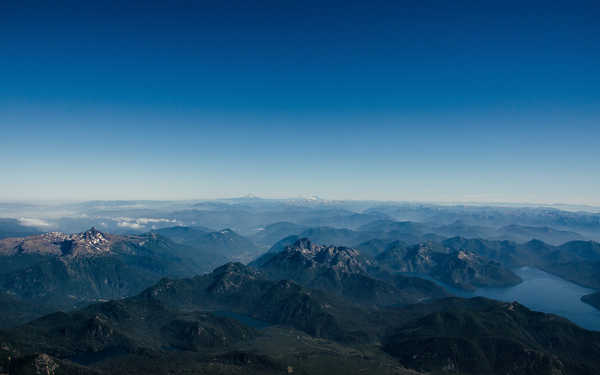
<point>462,269</point>
<point>213,247</point>
<point>236,320</point>
<point>63,271</point>
<point>343,271</point>
<point>481,336</point>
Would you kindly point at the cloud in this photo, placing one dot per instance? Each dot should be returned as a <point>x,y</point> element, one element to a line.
<point>141,222</point>
<point>146,220</point>
<point>128,224</point>
<point>33,222</point>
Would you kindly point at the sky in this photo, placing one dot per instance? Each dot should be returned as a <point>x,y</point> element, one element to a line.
<point>418,100</point>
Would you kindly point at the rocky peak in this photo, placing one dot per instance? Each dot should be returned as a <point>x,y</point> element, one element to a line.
<point>466,256</point>
<point>92,235</point>
<point>231,277</point>
<point>235,269</point>
<point>89,243</point>
<point>339,258</point>
<point>303,245</point>
<point>423,252</point>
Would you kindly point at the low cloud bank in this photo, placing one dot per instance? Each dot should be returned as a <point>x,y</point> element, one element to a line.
<point>141,222</point>
<point>33,222</point>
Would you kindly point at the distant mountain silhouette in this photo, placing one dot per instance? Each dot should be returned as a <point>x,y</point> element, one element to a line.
<point>214,247</point>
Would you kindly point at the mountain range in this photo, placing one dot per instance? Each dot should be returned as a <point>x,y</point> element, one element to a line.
<point>212,246</point>
<point>344,272</point>
<point>327,290</point>
<point>459,268</point>
<point>198,324</point>
<point>63,271</point>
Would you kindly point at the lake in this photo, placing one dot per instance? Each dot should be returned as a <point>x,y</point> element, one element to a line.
<point>544,292</point>
<point>539,291</point>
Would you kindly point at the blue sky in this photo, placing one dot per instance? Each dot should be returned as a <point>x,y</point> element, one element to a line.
<point>364,100</point>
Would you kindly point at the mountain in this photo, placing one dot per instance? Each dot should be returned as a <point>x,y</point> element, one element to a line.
<point>592,299</point>
<point>63,271</point>
<point>201,325</point>
<point>130,332</point>
<point>229,244</point>
<point>323,235</point>
<point>468,263</point>
<point>343,271</point>
<point>462,229</point>
<point>583,273</point>
<point>514,232</point>
<point>89,243</point>
<point>577,261</point>
<point>580,250</point>
<point>40,364</point>
<point>212,247</point>
<point>406,231</point>
<point>532,253</point>
<point>282,244</point>
<point>524,233</point>
<point>462,269</point>
<point>234,320</point>
<point>16,311</point>
<point>481,336</point>
<point>201,246</point>
<point>13,228</point>
<point>338,218</point>
<point>182,234</point>
<point>373,247</point>
<point>394,226</point>
<point>508,253</point>
<point>333,236</point>
<point>268,235</point>
<point>126,326</point>
<point>278,247</point>
<point>566,260</point>
<point>578,220</point>
<point>242,290</point>
<point>413,232</point>
<point>245,216</point>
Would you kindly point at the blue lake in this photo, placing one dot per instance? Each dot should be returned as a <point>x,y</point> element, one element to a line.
<point>544,292</point>
<point>539,291</point>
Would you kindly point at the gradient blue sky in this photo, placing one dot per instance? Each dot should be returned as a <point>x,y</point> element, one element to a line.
<point>435,101</point>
